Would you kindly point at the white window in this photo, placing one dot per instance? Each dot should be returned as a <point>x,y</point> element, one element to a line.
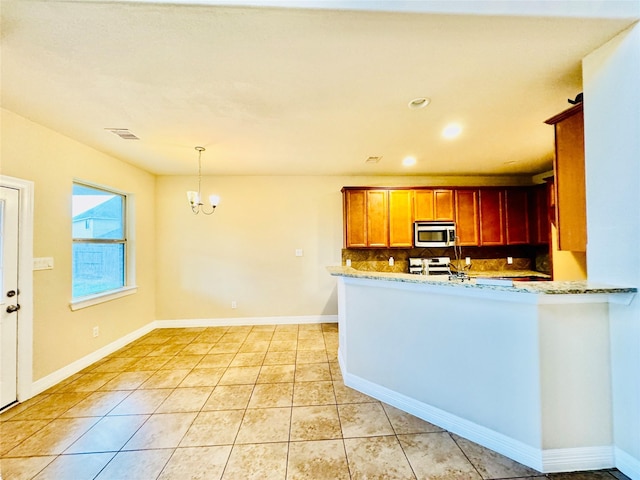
<point>101,269</point>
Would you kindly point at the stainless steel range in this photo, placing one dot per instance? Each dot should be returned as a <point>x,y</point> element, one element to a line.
<point>430,266</point>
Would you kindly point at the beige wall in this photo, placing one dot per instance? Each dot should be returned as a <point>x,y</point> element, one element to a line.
<point>32,152</point>
<point>245,252</point>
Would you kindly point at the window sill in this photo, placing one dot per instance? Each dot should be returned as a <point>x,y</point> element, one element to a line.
<point>90,300</point>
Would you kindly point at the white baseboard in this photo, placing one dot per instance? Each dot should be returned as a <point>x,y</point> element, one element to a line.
<point>242,321</point>
<point>627,464</point>
<point>546,461</point>
<point>56,377</point>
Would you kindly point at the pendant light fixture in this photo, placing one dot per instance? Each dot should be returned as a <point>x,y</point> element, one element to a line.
<point>195,198</point>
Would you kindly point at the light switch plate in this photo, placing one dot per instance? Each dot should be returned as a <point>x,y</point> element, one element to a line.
<point>43,263</point>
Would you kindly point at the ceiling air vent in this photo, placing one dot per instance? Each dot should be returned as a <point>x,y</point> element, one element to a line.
<point>372,160</point>
<point>123,133</point>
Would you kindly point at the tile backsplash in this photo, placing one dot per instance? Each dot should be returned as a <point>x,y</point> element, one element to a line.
<point>482,258</point>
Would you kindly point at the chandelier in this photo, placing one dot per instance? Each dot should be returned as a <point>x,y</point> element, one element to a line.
<point>195,198</point>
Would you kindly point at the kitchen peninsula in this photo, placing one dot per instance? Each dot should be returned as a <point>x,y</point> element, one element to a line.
<point>523,370</point>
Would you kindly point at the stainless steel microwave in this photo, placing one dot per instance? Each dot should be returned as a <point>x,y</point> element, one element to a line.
<point>434,234</point>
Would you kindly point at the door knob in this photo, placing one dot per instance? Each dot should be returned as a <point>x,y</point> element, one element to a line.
<point>11,293</point>
<point>13,308</point>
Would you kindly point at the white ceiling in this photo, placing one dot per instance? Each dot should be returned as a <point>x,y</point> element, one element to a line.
<point>299,91</point>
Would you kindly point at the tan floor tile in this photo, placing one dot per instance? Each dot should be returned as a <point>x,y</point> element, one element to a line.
<point>165,379</point>
<point>285,336</point>
<point>190,399</point>
<point>225,347</point>
<point>259,336</point>
<point>254,347</point>
<point>345,395</point>
<point>233,339</point>
<point>96,404</point>
<point>266,461</point>
<point>293,327</point>
<point>181,362</point>
<point>276,374</point>
<point>216,360</point>
<point>196,349</point>
<point>336,373</point>
<point>311,344</point>
<point>163,430</point>
<point>311,356</point>
<point>89,382</point>
<point>239,376</point>
<point>272,395</point>
<point>213,428</point>
<point>435,456</point>
<point>203,377</point>
<point>135,351</point>
<point>15,431</point>
<point>229,397</point>
<point>77,467</point>
<point>377,458</point>
<point>317,460</point>
<point>127,381</point>
<point>265,425</point>
<point>51,407</point>
<point>166,350</point>
<point>404,423</point>
<point>315,423</point>
<point>210,338</point>
<point>116,364</point>
<point>196,463</point>
<point>313,393</point>
<point>283,346</point>
<point>364,420</point>
<point>247,360</point>
<point>145,464</point>
<point>15,410</point>
<point>280,358</point>
<point>108,435</point>
<point>141,402</point>
<point>491,464</point>
<point>148,364</point>
<point>313,372</point>
<point>54,438</point>
<point>24,468</point>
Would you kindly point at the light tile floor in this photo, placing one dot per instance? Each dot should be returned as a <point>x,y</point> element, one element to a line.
<point>233,403</point>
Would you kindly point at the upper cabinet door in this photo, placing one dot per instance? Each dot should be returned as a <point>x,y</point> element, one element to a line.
<point>491,217</point>
<point>467,217</point>
<point>568,166</point>
<point>423,205</point>
<point>443,205</point>
<point>401,218</point>
<point>355,218</point>
<point>377,218</point>
<point>517,216</point>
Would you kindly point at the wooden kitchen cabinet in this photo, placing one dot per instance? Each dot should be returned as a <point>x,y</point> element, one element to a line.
<point>466,209</point>
<point>433,204</point>
<point>366,218</point>
<point>401,218</point>
<point>491,219</point>
<point>517,216</point>
<point>569,172</point>
<point>539,215</point>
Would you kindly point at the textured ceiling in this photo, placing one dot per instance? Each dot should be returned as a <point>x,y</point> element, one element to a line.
<point>287,91</point>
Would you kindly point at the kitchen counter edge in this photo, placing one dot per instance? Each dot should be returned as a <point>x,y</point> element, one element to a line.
<point>543,288</point>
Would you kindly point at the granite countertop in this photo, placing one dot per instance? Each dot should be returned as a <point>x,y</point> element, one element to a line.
<point>536,287</point>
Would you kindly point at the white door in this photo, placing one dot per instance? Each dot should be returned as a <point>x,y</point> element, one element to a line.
<point>8,295</point>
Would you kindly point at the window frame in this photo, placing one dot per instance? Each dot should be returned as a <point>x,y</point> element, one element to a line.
<point>128,241</point>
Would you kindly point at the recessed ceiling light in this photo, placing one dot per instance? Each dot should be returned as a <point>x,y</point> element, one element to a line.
<point>373,159</point>
<point>419,102</point>
<point>409,161</point>
<point>123,133</point>
<point>452,130</point>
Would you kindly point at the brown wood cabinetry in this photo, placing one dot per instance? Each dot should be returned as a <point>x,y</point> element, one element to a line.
<point>568,167</point>
<point>539,215</point>
<point>516,216</point>
<point>491,208</point>
<point>365,218</point>
<point>466,209</point>
<point>401,204</point>
<point>433,204</point>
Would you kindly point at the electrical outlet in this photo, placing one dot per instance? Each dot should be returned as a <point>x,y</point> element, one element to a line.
<point>96,331</point>
<point>234,304</point>
<point>299,252</point>
<point>348,262</point>
<point>510,260</point>
<point>467,260</point>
